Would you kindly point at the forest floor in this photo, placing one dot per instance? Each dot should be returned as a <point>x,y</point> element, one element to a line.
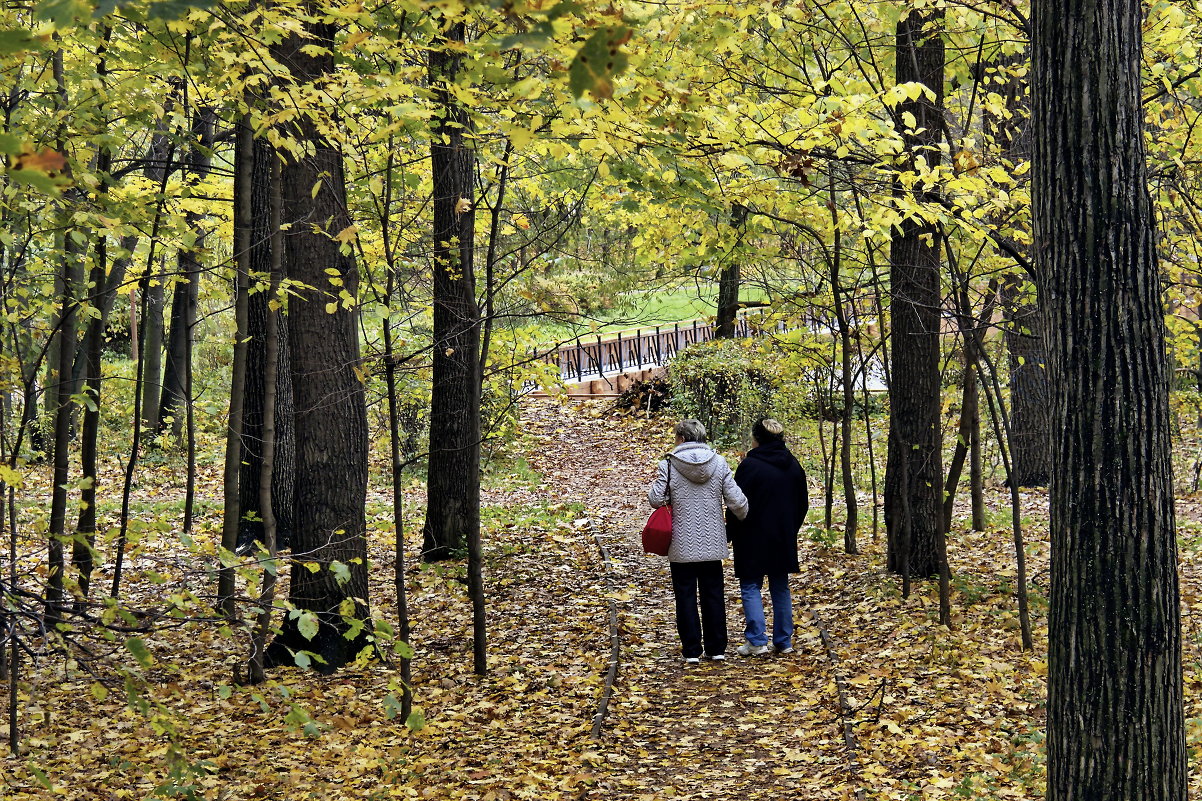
<point>878,702</point>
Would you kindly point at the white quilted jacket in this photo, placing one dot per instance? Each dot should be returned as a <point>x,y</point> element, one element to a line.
<point>701,481</point>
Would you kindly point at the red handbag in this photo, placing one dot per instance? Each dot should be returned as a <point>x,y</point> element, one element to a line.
<point>657,534</point>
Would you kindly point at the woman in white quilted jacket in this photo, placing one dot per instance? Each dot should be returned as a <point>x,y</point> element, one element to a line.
<point>697,482</point>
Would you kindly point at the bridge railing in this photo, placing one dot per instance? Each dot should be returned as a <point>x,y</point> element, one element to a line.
<point>597,356</point>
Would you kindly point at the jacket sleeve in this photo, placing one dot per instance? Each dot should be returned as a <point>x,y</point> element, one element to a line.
<point>803,500</point>
<point>736,501</point>
<point>657,493</point>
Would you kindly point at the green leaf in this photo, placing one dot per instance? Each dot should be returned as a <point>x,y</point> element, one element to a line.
<point>598,61</point>
<point>301,658</point>
<point>403,649</point>
<point>140,651</point>
<point>12,41</point>
<point>41,776</point>
<point>99,691</point>
<point>308,625</point>
<point>224,691</point>
<point>392,707</point>
<point>342,573</point>
<point>62,13</point>
<point>174,9</point>
<point>416,720</point>
<point>35,179</point>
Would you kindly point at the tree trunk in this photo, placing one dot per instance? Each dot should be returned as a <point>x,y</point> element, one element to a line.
<point>329,517</point>
<point>729,280</point>
<point>155,297</point>
<point>283,474</point>
<point>1030,456</point>
<point>187,290</point>
<point>915,263</point>
<point>1115,722</point>
<point>851,521</point>
<point>453,484</point>
<point>1029,453</point>
<point>271,366</point>
<point>83,549</point>
<point>68,283</point>
<point>243,145</point>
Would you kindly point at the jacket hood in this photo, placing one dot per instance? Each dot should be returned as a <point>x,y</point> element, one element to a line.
<point>774,453</point>
<point>696,461</point>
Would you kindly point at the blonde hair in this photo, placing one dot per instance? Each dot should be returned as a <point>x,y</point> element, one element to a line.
<point>768,430</point>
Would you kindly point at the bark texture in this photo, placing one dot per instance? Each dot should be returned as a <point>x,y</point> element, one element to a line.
<point>329,524</point>
<point>1115,721</point>
<point>283,474</point>
<point>453,509</point>
<point>913,491</point>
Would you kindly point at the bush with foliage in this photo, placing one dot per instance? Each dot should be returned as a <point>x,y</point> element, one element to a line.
<point>725,383</point>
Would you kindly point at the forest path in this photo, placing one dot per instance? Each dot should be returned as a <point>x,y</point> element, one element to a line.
<point>745,728</point>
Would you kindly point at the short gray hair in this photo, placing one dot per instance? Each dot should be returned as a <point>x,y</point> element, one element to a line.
<point>690,431</point>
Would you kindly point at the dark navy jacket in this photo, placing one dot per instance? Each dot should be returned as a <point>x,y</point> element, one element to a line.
<point>765,542</point>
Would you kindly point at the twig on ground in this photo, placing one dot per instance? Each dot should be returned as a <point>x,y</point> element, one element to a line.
<point>615,651</point>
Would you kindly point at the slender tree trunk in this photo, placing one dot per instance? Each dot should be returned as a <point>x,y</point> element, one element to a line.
<point>976,475</point>
<point>1030,455</point>
<point>70,280</point>
<point>267,462</point>
<point>914,274</point>
<point>187,289</point>
<point>969,406</point>
<point>851,523</point>
<point>154,297</point>
<point>243,146</point>
<point>730,278</point>
<point>1116,728</point>
<point>83,549</point>
<point>398,510</point>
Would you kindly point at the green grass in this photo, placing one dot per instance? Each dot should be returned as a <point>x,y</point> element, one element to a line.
<point>644,309</point>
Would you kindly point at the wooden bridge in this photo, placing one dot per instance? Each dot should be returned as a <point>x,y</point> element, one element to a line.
<point>605,365</point>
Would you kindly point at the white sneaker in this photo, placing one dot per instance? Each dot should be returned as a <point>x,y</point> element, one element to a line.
<point>747,649</point>
<point>718,657</point>
<point>786,650</point>
<point>692,660</point>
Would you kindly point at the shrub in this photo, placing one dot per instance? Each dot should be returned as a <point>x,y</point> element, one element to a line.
<point>724,384</point>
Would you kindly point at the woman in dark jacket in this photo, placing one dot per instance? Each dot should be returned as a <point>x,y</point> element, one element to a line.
<point>765,542</point>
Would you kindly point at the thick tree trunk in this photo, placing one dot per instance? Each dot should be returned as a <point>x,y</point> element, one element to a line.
<point>1115,722</point>
<point>283,474</point>
<point>453,508</point>
<point>914,392</point>
<point>329,518</point>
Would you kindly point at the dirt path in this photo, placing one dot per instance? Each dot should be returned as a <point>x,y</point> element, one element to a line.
<point>746,728</point>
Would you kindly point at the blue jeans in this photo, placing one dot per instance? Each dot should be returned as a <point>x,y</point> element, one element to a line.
<point>782,610</point>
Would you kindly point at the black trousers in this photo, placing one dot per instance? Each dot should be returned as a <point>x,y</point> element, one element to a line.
<point>693,582</point>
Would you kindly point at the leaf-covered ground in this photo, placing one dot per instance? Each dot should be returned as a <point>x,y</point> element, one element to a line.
<point>878,702</point>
